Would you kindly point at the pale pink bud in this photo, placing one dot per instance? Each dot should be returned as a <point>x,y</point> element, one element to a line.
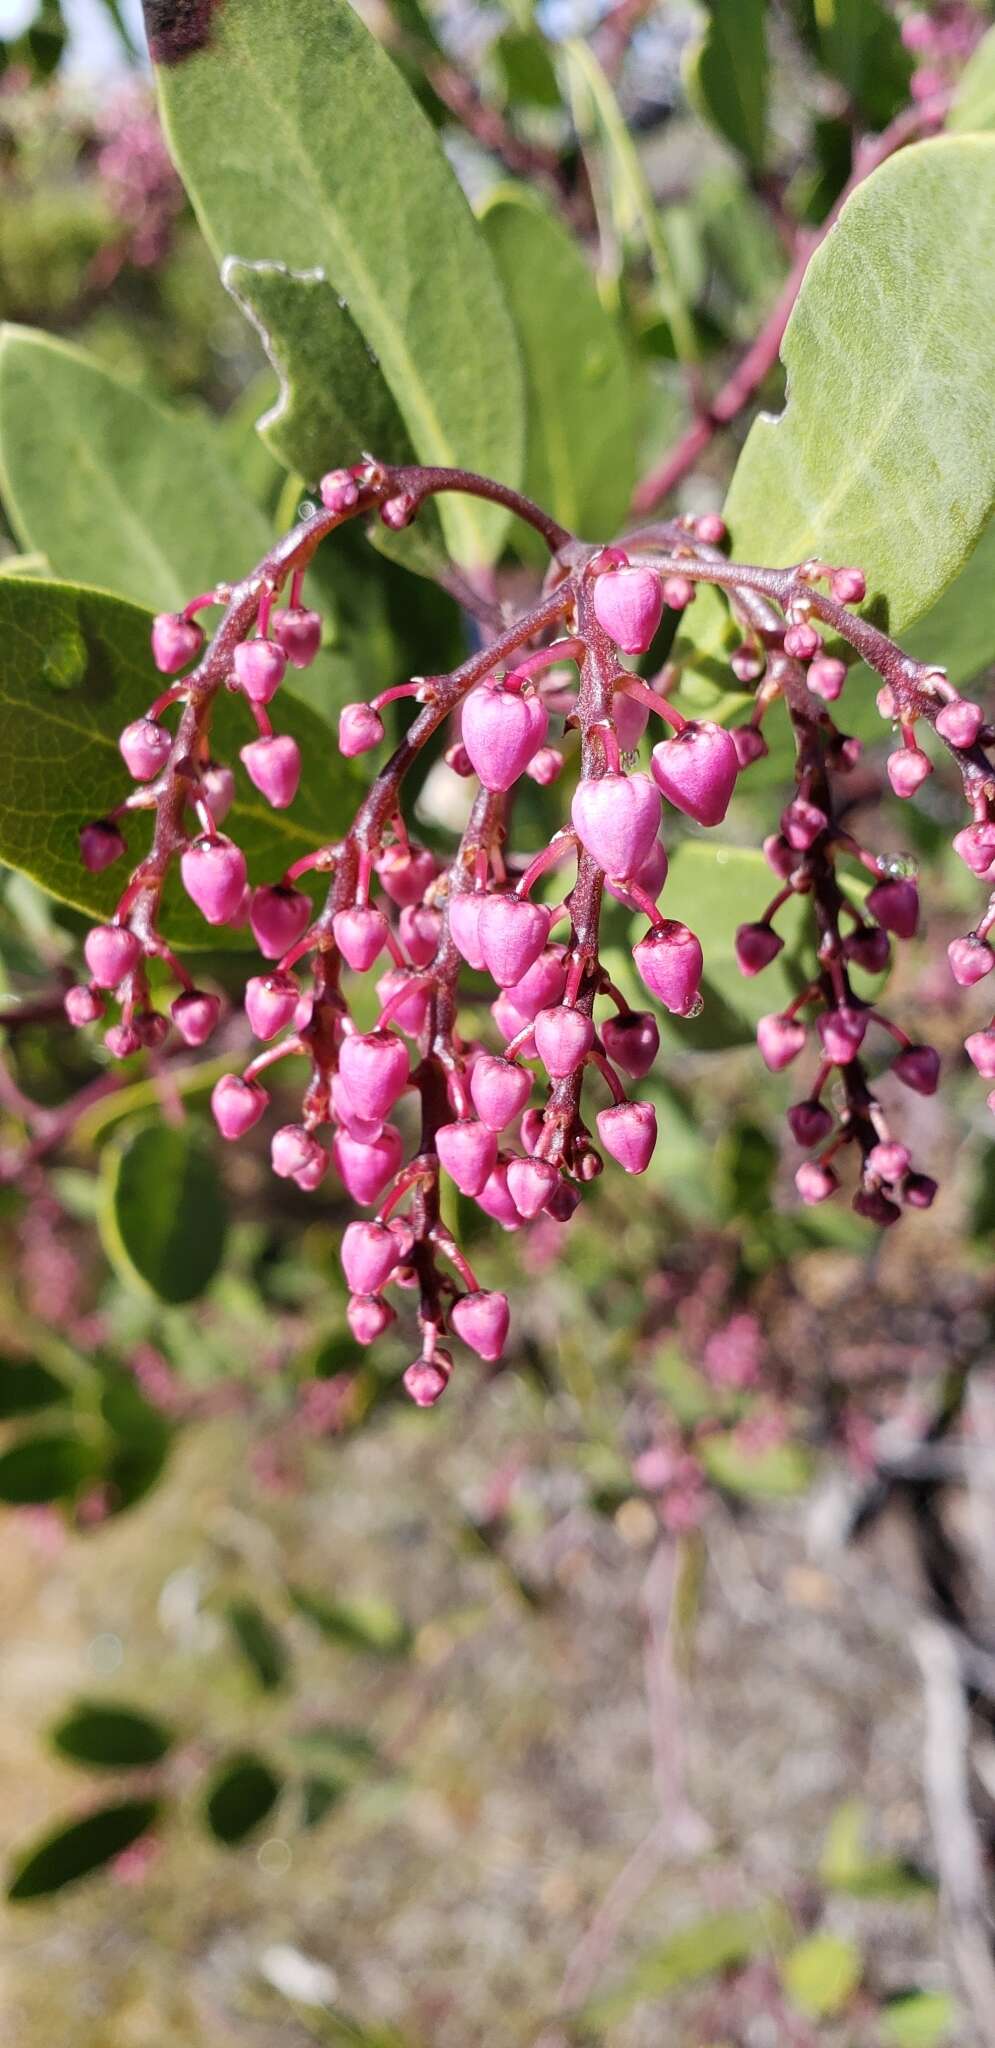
<point>236,1105</point>
<point>749,743</point>
<point>980,1047</point>
<point>111,952</point>
<point>530,1184</point>
<point>298,632</point>
<point>122,1040</point>
<point>195,1015</point>
<point>100,845</point>
<point>369,1255</point>
<point>273,766</point>
<point>628,605</point>
<point>920,1191</point>
<point>907,770</point>
<point>542,984</point>
<point>270,1002</point>
<point>510,1021</point>
<point>397,513</point>
<point>631,719</point>
<point>810,1122</point>
<point>339,491</point>
<point>497,1201</point>
<point>213,874</point>
<point>545,767</point>
<point>360,729</point>
<point>501,730</point>
<point>499,1090</point>
<point>848,586</point>
<point>678,592</point>
<point>888,1160</point>
<point>801,824</point>
<point>468,1151</point>
<point>670,962</point>
<point>616,819</point>
<point>746,663</point>
<point>842,1034</point>
<point>360,934</point>
<point>278,917</point>
<point>426,1379</point>
<point>628,1132</point>
<point>632,1041</point>
<point>260,666</point>
<point>970,960</point>
<point>563,1038</point>
<point>368,1318</point>
<point>482,1321</point>
<point>827,677</point>
<point>362,1127</point>
<point>815,1182</point>
<point>312,1173</point>
<point>217,788</point>
<point>756,946</point>
<point>145,747</point>
<point>780,1039</point>
<point>464,926</point>
<point>405,872</point>
<point>697,769</point>
<point>374,1069</point>
<point>650,878</point>
<point>976,846</point>
<point>802,642</point>
<point>919,1067</point>
<point>779,855</point>
<point>960,722</point>
<point>419,928</point>
<point>410,1012</point>
<point>896,907</point>
<point>711,528</point>
<point>175,641</point>
<point>82,1005</point>
<point>512,934</point>
<point>365,1166</point>
<point>293,1150</point>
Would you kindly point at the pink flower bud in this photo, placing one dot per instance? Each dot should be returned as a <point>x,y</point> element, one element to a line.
<point>151,1027</point>
<point>815,1182</point>
<point>369,1255</point>
<point>122,1040</point>
<point>628,605</point>
<point>260,666</point>
<point>213,874</point>
<point>510,1022</point>
<point>888,1161</point>
<point>970,960</point>
<point>650,878</point>
<point>278,917</point>
<point>360,729</point>
<point>919,1191</point>
<point>531,1130</point>
<point>907,770</point>
<point>512,933</point>
<point>100,845</point>
<point>980,1048</point>
<point>464,926</point>
<point>82,1005</point>
<point>270,1002</point>
<point>397,513</point>
<point>919,1067</point>
<point>631,719</point>
<point>678,592</point>
<point>482,1321</point>
<point>976,847</point>
<point>563,1038</point>
<point>827,677</point>
<point>273,766</point>
<point>801,642</point>
<point>497,1201</point>
<point>960,722</point>
<point>410,1011</point>
<point>848,586</point>
<point>530,1184</point>
<point>360,934</point>
<point>293,1150</point>
<point>111,952</point>
<point>236,1105</point>
<point>374,1069</point>
<point>875,1206</point>
<point>501,730</point>
<point>405,872</point>
<point>670,962</point>
<point>339,491</point>
<point>368,1318</point>
<point>195,1015</point>
<point>542,985</point>
<point>746,664</point>
<point>427,1379</point>
<point>616,818</point>
<point>298,632</point>
<point>365,1166</point>
<point>896,907</point>
<point>780,1039</point>
<point>802,823</point>
<point>545,767</point>
<point>145,747</point>
<point>697,769</point>
<point>711,529</point>
<point>749,743</point>
<point>419,929</point>
<point>842,1034</point>
<point>362,1127</point>
<point>468,1151</point>
<point>779,856</point>
<point>810,1122</point>
<point>756,946</point>
<point>632,1041</point>
<point>628,1132</point>
<point>217,789</point>
<point>175,641</point>
<point>562,1203</point>
<point>499,1090</point>
<point>312,1173</point>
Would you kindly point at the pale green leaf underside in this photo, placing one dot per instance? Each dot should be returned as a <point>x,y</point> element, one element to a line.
<point>974,102</point>
<point>300,144</point>
<point>726,74</point>
<point>884,454</point>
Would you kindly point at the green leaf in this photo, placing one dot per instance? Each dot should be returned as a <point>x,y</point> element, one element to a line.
<point>113,488</point>
<point>110,1738</point>
<point>77,669</point>
<point>371,1625</point>
<point>39,1469</point>
<point>973,108</point>
<point>260,1643</point>
<point>726,75</point>
<point>714,889</point>
<point>241,1794</point>
<point>526,67</point>
<point>821,1975</point>
<point>919,2019</point>
<point>70,1853</point>
<point>26,1386</point>
<point>693,1953</point>
<point>859,43</point>
<point>343,1753</point>
<point>774,1473</point>
<point>579,384</point>
<point>318,1797</point>
<point>846,1865</point>
<point>328,164</point>
<point>882,457</point>
<point>163,1218</point>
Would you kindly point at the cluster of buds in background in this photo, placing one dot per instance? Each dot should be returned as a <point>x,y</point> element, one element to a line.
<point>520,1117</point>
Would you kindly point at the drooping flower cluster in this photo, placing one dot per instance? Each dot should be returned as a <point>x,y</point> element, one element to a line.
<point>519,1117</point>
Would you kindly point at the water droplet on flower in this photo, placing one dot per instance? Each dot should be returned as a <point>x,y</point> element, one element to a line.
<point>900,867</point>
<point>306,509</point>
<point>696,1008</point>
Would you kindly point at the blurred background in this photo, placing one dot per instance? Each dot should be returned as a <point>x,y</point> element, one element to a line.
<point>643,1691</point>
